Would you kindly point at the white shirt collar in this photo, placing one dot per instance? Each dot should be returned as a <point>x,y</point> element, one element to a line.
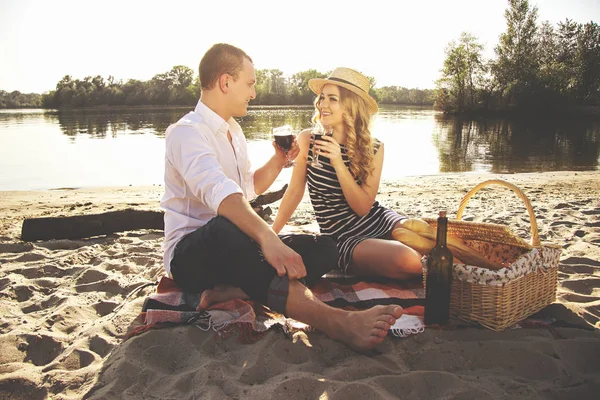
<point>212,119</point>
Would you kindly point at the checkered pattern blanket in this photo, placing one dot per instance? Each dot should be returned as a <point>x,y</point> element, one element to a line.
<point>171,305</point>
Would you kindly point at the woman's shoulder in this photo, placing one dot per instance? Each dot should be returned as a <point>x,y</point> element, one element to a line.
<point>306,132</point>
<point>377,144</point>
<point>305,135</point>
<point>304,138</point>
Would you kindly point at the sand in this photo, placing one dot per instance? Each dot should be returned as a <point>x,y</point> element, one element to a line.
<point>66,306</point>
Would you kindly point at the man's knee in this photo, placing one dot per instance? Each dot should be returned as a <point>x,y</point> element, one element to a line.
<point>327,248</point>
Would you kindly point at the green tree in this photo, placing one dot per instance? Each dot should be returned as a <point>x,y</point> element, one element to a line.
<point>587,65</point>
<point>16,99</point>
<point>271,87</point>
<point>516,67</point>
<point>462,75</point>
<point>298,90</point>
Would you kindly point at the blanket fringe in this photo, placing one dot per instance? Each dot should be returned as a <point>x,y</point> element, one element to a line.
<point>406,332</point>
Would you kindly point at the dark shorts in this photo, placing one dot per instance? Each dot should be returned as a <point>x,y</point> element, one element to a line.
<point>220,253</point>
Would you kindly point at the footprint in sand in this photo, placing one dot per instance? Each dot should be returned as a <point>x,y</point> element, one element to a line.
<point>578,298</point>
<point>140,249</point>
<point>15,247</point>
<point>30,257</point>
<point>105,307</point>
<point>40,349</point>
<point>152,236</point>
<point>75,360</point>
<point>62,244</point>
<point>582,286</point>
<point>48,270</point>
<point>305,388</point>
<point>111,286</point>
<point>23,293</point>
<point>580,261</point>
<point>290,353</point>
<point>51,302</point>
<point>565,223</point>
<point>24,387</point>
<point>594,211</point>
<point>100,346</point>
<point>91,275</point>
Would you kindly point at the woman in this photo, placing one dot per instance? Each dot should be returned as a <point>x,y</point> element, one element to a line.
<point>343,190</point>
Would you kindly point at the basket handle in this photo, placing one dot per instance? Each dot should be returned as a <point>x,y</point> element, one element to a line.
<point>535,239</point>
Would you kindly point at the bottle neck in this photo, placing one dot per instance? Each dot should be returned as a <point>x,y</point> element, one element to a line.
<point>442,228</point>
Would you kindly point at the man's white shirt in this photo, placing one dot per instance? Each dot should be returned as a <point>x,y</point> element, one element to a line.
<point>201,170</point>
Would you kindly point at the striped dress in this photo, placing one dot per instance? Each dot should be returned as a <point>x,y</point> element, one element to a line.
<point>334,215</point>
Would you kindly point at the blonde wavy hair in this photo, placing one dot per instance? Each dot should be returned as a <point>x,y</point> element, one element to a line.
<point>359,141</point>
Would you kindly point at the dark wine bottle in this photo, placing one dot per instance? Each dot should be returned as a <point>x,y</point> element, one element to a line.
<point>439,277</point>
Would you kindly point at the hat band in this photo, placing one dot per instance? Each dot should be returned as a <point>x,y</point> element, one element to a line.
<point>345,81</point>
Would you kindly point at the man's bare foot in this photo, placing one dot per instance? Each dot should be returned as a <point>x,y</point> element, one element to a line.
<point>363,330</point>
<point>219,294</point>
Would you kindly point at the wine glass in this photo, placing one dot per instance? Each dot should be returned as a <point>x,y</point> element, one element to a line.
<point>284,138</point>
<point>318,132</point>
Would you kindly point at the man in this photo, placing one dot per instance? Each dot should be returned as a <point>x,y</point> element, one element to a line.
<point>215,243</point>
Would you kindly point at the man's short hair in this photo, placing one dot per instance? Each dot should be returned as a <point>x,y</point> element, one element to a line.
<point>221,58</point>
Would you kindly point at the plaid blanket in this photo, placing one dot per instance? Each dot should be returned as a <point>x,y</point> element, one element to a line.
<point>171,305</point>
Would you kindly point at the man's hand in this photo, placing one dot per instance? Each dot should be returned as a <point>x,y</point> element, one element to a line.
<point>291,154</point>
<point>283,259</point>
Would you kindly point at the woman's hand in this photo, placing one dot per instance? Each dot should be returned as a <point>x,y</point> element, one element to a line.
<point>330,148</point>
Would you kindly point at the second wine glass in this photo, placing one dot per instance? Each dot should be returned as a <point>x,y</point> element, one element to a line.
<point>318,132</point>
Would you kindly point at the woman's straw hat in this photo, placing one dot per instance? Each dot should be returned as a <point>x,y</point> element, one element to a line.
<point>348,79</point>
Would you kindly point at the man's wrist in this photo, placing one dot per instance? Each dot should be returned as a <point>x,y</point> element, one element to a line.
<point>280,160</point>
<point>266,235</point>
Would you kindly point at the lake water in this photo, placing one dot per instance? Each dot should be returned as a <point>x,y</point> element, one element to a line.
<point>49,149</point>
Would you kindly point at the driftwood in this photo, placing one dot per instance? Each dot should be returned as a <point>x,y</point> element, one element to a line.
<point>81,226</point>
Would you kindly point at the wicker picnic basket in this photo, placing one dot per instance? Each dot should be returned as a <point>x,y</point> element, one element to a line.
<point>500,299</point>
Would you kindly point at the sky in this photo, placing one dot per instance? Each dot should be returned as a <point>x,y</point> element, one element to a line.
<point>398,42</point>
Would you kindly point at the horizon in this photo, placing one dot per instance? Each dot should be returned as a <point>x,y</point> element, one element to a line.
<point>135,40</point>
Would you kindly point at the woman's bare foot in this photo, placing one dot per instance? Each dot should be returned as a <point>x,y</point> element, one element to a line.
<point>219,294</point>
<point>363,330</point>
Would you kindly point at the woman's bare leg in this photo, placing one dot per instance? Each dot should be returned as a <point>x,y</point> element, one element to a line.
<point>389,258</point>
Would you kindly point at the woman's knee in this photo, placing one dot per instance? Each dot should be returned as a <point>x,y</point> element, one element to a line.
<point>408,262</point>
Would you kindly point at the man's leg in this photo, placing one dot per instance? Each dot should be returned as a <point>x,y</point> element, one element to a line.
<point>319,254</point>
<point>219,255</point>
<point>361,330</point>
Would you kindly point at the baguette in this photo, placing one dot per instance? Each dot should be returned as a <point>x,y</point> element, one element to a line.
<point>413,240</point>
<point>457,246</point>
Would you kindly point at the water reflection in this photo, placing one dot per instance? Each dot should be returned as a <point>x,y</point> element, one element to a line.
<point>260,120</point>
<point>126,146</point>
<point>100,123</point>
<point>516,145</point>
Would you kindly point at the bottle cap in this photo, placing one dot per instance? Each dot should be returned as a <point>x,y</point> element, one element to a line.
<point>442,214</point>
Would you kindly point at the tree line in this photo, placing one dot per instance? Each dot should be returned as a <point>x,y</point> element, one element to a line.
<point>537,67</point>
<point>17,99</point>
<point>181,87</point>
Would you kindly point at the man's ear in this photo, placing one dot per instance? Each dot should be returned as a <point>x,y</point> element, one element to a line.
<point>224,82</point>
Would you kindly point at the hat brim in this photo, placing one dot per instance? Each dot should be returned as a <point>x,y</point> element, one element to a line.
<point>316,85</point>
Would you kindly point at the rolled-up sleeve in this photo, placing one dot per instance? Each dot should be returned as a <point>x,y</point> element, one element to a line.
<point>249,182</point>
<point>191,154</point>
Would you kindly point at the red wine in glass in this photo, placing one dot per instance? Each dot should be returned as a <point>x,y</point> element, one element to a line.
<point>318,132</point>
<point>284,138</point>
<point>284,142</point>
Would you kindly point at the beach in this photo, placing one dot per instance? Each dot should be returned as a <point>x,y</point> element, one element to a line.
<point>68,305</point>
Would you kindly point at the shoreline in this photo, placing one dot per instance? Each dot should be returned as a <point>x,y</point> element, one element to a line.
<point>67,306</point>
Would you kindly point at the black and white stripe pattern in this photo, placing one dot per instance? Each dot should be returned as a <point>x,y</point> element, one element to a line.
<point>334,215</point>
